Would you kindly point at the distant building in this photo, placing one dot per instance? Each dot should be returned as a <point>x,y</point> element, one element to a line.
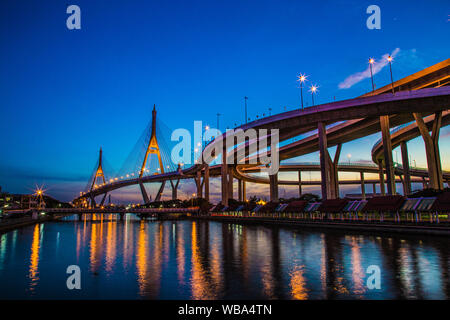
<point>27,201</point>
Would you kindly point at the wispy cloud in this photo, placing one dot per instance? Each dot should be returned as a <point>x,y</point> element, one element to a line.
<point>378,65</point>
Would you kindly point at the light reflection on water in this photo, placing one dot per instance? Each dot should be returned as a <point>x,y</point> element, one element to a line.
<point>135,259</point>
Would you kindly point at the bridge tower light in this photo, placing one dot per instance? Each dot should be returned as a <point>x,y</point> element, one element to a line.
<point>152,147</point>
<point>99,173</point>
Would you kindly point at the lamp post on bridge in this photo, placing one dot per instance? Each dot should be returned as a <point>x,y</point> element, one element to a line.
<point>218,115</point>
<point>389,58</point>
<point>245,102</point>
<point>301,79</point>
<point>40,197</point>
<point>371,62</point>
<point>313,90</point>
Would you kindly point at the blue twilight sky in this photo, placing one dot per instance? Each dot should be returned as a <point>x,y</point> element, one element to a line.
<point>64,93</point>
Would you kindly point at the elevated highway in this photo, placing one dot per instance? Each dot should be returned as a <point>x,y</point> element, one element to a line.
<point>426,95</point>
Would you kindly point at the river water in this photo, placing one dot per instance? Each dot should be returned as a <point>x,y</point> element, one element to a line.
<point>186,259</point>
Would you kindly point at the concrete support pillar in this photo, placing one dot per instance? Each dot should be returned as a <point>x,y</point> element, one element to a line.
<point>299,183</point>
<point>432,149</point>
<point>93,204</point>
<point>406,170</point>
<point>324,165</point>
<point>144,193</point>
<point>387,148</point>
<point>328,167</point>
<point>198,182</point>
<point>403,184</point>
<point>334,172</point>
<point>160,191</point>
<point>424,183</point>
<point>381,174</point>
<point>174,189</point>
<point>244,193</point>
<point>230,183</point>
<point>103,200</point>
<point>224,178</point>
<point>206,183</point>
<point>363,186</point>
<point>273,179</point>
<point>239,189</point>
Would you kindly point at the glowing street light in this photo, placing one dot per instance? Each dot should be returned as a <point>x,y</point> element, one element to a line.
<point>39,192</point>
<point>349,157</point>
<point>371,62</point>
<point>301,79</point>
<point>313,90</point>
<point>389,58</point>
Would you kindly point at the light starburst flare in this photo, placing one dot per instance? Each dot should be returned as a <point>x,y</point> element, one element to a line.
<point>301,78</point>
<point>313,88</point>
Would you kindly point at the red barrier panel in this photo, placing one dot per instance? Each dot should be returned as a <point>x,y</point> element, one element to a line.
<point>333,205</point>
<point>296,206</point>
<point>442,203</point>
<point>384,204</point>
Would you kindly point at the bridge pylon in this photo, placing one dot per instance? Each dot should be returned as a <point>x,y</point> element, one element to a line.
<point>99,174</point>
<point>152,148</point>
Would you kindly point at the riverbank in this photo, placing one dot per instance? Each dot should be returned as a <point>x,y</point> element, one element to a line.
<point>424,228</point>
<point>12,224</point>
<point>427,229</point>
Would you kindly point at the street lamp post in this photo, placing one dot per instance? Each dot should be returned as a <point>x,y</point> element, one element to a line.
<point>218,115</point>
<point>349,157</point>
<point>245,101</point>
<point>371,62</point>
<point>313,90</point>
<point>301,79</point>
<point>40,197</point>
<point>389,58</point>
